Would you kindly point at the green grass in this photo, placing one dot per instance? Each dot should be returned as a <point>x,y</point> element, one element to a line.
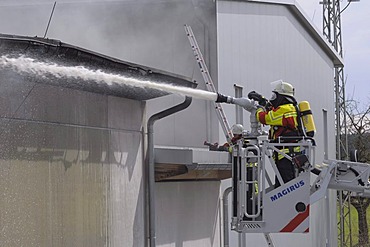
<point>354,225</point>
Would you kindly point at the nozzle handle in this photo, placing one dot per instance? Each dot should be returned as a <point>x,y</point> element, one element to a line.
<point>262,101</point>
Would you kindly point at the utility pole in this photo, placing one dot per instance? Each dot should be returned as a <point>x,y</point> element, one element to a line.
<point>332,30</point>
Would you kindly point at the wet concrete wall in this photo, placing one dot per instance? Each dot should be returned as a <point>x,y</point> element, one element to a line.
<point>71,170</point>
<point>72,174</point>
<point>72,161</point>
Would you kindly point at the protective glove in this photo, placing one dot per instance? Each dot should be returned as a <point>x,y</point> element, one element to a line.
<point>262,101</point>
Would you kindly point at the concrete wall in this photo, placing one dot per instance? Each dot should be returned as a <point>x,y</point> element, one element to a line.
<point>72,162</point>
<point>72,174</point>
<point>71,168</point>
<point>261,43</point>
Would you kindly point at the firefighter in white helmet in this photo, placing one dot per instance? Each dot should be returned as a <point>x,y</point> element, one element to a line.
<point>237,130</point>
<point>281,114</point>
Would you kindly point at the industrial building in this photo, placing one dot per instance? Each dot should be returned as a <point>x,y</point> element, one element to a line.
<point>74,153</point>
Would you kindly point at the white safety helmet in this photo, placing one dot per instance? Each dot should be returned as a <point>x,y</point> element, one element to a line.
<point>237,129</point>
<point>283,88</point>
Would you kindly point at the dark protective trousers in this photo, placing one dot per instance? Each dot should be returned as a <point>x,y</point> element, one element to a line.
<point>286,169</point>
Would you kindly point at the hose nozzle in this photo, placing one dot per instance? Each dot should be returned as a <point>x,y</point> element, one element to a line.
<point>222,98</point>
<point>246,103</point>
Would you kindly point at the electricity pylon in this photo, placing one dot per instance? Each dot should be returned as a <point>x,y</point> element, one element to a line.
<point>332,30</point>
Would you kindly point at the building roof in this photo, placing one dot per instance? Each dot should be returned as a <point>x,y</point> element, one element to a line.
<point>57,52</point>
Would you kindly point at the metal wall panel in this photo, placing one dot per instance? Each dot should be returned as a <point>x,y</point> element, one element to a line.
<point>259,43</point>
<point>189,214</point>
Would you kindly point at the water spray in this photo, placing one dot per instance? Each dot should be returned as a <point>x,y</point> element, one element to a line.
<point>29,65</point>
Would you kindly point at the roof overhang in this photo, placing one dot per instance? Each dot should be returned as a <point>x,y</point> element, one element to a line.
<point>180,163</point>
<point>57,52</point>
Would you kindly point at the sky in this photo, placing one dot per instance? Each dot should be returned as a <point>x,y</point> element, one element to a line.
<point>355,20</point>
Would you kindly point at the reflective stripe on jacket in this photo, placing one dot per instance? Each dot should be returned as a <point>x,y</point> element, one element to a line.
<point>287,151</point>
<point>283,118</point>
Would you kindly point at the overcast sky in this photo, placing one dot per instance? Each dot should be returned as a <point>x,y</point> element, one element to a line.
<point>356,44</point>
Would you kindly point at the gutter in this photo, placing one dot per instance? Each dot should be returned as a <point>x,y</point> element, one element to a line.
<point>150,171</point>
<point>225,210</point>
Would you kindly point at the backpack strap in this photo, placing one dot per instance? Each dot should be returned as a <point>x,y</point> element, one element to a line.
<point>301,130</point>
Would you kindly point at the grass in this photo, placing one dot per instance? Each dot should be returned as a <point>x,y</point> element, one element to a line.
<point>354,225</point>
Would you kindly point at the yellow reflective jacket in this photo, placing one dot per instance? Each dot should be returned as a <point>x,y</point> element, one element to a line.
<point>283,120</point>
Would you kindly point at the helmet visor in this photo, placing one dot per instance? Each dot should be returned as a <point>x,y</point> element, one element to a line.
<point>273,96</point>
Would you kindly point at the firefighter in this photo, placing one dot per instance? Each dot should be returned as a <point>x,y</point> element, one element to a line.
<point>280,113</point>
<point>237,130</point>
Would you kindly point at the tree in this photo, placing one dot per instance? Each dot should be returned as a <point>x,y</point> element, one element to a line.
<point>358,139</point>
